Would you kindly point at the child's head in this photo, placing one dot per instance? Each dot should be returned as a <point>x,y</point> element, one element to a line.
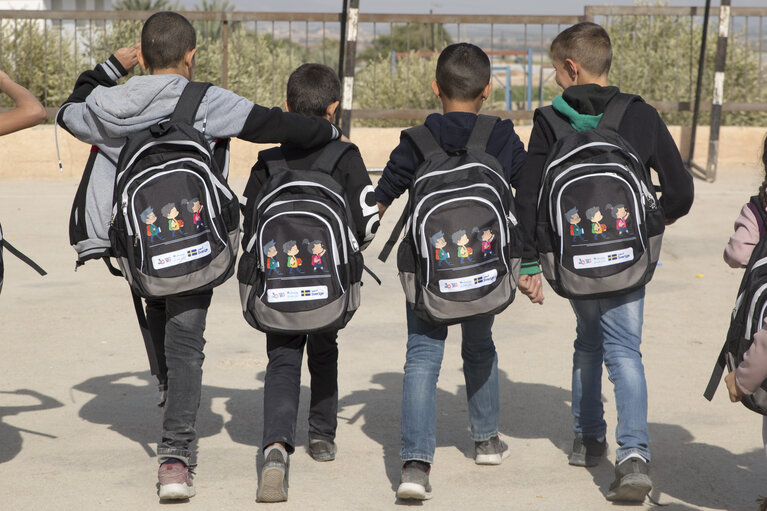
<point>594,214</point>
<point>463,73</point>
<point>313,89</point>
<point>269,249</point>
<point>583,49</point>
<point>459,237</point>
<point>572,216</point>
<point>437,239</point>
<point>763,187</point>
<point>168,41</point>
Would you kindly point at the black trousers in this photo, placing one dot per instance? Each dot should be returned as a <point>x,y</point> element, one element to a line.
<point>283,385</point>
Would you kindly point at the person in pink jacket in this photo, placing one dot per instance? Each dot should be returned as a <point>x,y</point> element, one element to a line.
<point>752,371</point>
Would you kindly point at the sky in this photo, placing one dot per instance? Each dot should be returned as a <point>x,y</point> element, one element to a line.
<point>438,6</point>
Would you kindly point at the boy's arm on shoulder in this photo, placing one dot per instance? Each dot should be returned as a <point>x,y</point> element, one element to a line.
<point>353,175</point>
<point>105,74</point>
<point>511,154</point>
<point>272,125</point>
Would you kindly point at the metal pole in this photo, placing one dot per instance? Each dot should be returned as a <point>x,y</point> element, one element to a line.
<point>348,80</point>
<point>341,48</point>
<point>529,78</point>
<point>224,53</point>
<point>716,106</point>
<point>698,87</point>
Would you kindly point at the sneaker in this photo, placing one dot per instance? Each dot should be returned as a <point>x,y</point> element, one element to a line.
<point>490,452</point>
<point>322,450</point>
<point>587,452</point>
<point>632,482</point>
<point>175,481</point>
<point>274,477</point>
<point>414,481</point>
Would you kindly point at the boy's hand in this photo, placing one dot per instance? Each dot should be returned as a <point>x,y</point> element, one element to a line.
<point>128,57</point>
<point>4,79</point>
<point>344,138</point>
<point>531,286</point>
<point>732,387</point>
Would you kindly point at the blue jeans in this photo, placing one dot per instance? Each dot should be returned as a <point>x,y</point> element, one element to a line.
<point>425,348</point>
<point>184,321</point>
<point>610,331</point>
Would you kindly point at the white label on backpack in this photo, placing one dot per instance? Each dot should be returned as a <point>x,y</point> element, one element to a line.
<point>603,259</point>
<point>181,256</point>
<point>297,294</point>
<point>466,283</point>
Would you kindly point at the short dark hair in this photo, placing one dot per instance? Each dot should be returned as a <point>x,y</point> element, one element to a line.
<point>586,43</point>
<point>463,71</point>
<point>312,88</point>
<point>165,39</point>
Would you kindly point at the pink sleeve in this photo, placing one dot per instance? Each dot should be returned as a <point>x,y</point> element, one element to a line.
<point>753,370</point>
<point>743,240</point>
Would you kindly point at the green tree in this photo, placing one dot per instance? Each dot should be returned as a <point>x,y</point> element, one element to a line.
<point>144,5</point>
<point>409,37</point>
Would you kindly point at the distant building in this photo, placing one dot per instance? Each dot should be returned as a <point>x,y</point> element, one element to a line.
<point>56,5</point>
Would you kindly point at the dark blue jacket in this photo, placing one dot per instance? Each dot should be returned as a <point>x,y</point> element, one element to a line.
<point>452,131</point>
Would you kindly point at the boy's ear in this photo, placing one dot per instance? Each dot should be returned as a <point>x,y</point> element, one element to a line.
<point>189,58</point>
<point>331,111</point>
<point>572,68</point>
<point>141,60</point>
<point>287,106</point>
<point>486,91</point>
<point>435,88</point>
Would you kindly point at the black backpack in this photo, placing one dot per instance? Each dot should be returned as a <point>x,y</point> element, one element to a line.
<point>175,225</point>
<point>5,245</point>
<point>600,224</point>
<point>747,316</point>
<point>301,268</point>
<point>460,257</point>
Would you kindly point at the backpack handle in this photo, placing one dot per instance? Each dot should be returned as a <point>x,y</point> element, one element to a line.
<point>425,142</point>
<point>480,133</point>
<point>330,156</point>
<point>189,102</point>
<point>615,110</point>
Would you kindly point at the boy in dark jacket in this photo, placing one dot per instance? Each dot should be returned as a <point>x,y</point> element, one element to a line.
<point>314,91</point>
<point>608,330</point>
<point>101,113</point>
<point>463,84</point>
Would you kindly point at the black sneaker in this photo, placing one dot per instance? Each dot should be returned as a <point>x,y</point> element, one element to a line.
<point>274,478</point>
<point>322,450</point>
<point>490,452</point>
<point>632,482</point>
<point>414,481</point>
<point>587,452</point>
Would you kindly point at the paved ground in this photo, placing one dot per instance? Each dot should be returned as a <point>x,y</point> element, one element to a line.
<point>78,425</point>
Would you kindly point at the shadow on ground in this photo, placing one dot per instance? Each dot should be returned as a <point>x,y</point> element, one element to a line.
<point>11,440</point>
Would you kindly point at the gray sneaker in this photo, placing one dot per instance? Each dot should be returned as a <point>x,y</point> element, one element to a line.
<point>587,452</point>
<point>490,452</point>
<point>274,478</point>
<point>322,450</point>
<point>632,481</point>
<point>414,481</point>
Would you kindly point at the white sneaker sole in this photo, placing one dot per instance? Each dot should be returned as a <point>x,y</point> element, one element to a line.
<point>176,491</point>
<point>492,459</point>
<point>272,489</point>
<point>412,491</point>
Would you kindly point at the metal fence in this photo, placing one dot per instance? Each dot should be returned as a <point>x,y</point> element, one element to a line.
<point>655,54</point>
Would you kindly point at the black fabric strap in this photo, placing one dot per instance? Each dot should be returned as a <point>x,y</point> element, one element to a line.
<point>189,102</point>
<point>755,205</point>
<point>616,109</point>
<point>559,125</point>
<point>274,160</point>
<point>716,374</point>
<point>370,272</point>
<point>330,156</point>
<point>480,133</point>
<point>13,250</point>
<point>425,142</point>
<point>389,245</point>
<point>149,345</point>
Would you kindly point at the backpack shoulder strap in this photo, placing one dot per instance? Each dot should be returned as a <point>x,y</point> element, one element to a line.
<point>480,133</point>
<point>24,258</point>
<point>424,141</point>
<point>558,124</point>
<point>330,155</point>
<point>760,214</point>
<point>189,102</point>
<point>616,109</point>
<point>274,160</point>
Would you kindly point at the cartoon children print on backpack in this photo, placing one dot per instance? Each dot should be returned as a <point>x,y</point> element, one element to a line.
<point>441,255</point>
<point>195,208</point>
<point>621,216</point>
<point>318,250</point>
<point>272,264</point>
<point>175,224</point>
<point>149,218</point>
<point>290,248</point>
<point>597,227</point>
<point>486,236</point>
<point>573,218</point>
<point>462,241</point>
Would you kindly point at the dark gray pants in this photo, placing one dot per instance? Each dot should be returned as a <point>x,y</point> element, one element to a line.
<point>282,386</point>
<point>178,322</point>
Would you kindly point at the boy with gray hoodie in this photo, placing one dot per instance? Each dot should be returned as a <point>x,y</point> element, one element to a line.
<point>104,114</point>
